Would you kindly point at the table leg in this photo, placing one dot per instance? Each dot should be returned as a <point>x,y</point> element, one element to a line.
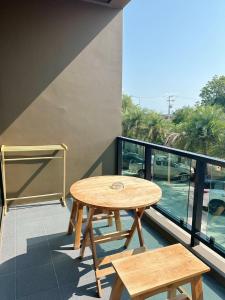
<point>171,293</point>
<point>196,288</point>
<point>138,216</point>
<point>136,224</point>
<point>87,231</point>
<point>72,217</point>
<point>110,220</point>
<point>117,220</point>
<point>78,226</point>
<point>117,289</point>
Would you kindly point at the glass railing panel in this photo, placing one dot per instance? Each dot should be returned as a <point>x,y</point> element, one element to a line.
<point>213,215</point>
<point>133,160</point>
<point>175,175</point>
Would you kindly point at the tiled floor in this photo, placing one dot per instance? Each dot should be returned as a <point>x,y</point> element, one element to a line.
<point>38,262</point>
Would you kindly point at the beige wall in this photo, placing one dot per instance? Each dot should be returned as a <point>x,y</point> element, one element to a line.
<point>60,82</point>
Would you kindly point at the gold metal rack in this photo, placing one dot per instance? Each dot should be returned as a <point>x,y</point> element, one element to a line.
<point>6,150</point>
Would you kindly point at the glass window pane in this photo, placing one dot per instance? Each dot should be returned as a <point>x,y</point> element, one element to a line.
<point>213,215</point>
<point>133,160</point>
<point>174,174</point>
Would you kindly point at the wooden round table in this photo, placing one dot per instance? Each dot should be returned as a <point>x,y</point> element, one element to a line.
<point>112,193</point>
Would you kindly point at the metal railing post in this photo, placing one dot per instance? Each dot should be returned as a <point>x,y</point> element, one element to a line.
<point>2,200</point>
<point>119,146</point>
<point>148,162</point>
<point>198,200</point>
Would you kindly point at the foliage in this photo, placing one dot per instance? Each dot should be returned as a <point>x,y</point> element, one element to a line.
<point>142,123</point>
<point>181,114</point>
<point>199,129</point>
<point>203,130</point>
<point>214,92</point>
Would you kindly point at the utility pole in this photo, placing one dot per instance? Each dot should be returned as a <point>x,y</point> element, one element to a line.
<point>137,97</point>
<point>170,100</point>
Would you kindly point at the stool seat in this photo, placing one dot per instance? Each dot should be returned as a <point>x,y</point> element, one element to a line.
<point>158,270</point>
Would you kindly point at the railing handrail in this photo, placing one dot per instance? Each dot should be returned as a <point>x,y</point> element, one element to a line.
<point>188,154</point>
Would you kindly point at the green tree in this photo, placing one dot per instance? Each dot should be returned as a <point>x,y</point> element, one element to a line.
<point>144,124</point>
<point>214,92</point>
<point>180,115</point>
<point>155,128</point>
<point>203,131</point>
<point>131,117</point>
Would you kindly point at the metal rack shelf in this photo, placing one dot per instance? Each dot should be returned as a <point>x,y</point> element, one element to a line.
<point>12,150</point>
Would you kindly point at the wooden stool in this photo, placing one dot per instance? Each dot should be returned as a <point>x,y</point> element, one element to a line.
<point>157,271</point>
<point>76,220</point>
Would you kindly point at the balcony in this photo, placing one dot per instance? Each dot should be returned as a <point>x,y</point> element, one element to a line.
<point>37,256</point>
<point>61,83</point>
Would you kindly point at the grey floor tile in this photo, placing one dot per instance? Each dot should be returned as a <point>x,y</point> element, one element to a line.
<point>34,257</point>
<point>7,256</point>
<point>7,287</point>
<point>51,294</point>
<point>7,266</point>
<point>71,291</point>
<point>8,248</point>
<point>29,228</point>
<point>34,280</point>
<point>60,241</point>
<point>24,245</point>
<point>8,226</point>
<point>72,270</point>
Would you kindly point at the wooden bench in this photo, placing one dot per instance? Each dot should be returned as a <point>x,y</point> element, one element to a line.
<point>157,271</point>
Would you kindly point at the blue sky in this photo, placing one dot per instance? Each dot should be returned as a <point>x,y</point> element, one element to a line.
<point>172,47</point>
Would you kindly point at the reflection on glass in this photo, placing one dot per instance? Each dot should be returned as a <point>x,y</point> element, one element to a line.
<point>213,218</point>
<point>133,160</point>
<point>174,174</point>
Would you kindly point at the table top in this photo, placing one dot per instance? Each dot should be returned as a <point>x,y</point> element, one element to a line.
<point>116,192</point>
<point>157,269</point>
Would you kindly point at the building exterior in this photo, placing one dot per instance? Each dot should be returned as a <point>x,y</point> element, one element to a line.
<point>60,78</point>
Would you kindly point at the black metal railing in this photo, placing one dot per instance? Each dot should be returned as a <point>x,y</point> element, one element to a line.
<point>203,224</point>
<point>1,197</point>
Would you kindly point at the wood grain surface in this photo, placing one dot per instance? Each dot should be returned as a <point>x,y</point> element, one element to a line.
<point>116,192</point>
<point>159,268</point>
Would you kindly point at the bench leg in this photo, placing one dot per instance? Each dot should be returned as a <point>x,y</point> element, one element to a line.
<point>196,288</point>
<point>116,289</point>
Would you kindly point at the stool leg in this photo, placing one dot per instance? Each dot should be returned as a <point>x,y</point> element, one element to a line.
<point>78,226</point>
<point>196,288</point>
<point>116,289</point>
<point>72,217</point>
<point>117,220</point>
